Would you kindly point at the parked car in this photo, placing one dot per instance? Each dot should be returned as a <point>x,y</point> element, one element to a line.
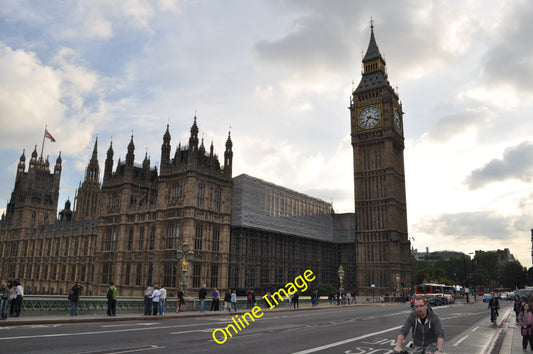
<point>487,297</point>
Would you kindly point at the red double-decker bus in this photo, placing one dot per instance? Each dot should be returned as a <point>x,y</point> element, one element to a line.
<point>480,290</point>
<point>428,289</point>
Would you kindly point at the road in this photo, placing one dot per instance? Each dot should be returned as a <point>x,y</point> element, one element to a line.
<point>362,329</point>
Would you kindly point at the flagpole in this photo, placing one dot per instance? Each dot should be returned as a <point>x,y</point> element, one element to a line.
<point>44,135</point>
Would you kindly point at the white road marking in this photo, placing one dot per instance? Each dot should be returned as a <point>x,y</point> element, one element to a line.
<point>127,350</point>
<point>125,325</point>
<point>459,341</point>
<point>336,344</point>
<point>101,332</point>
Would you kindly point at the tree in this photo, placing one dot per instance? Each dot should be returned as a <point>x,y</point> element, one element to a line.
<point>513,275</point>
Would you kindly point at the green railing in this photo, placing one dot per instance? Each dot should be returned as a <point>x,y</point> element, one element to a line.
<point>58,304</point>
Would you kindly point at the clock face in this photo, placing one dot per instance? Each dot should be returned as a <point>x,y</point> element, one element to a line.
<point>369,117</point>
<point>397,120</point>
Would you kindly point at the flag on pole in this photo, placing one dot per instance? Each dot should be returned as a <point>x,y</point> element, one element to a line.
<point>48,135</point>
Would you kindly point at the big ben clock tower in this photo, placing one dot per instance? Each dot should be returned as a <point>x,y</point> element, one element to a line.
<point>382,248</point>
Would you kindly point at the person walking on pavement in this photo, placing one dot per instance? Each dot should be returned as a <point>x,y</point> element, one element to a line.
<point>249,299</point>
<point>295,297</point>
<point>74,296</point>
<point>155,299</point>
<point>234,300</point>
<point>181,300</point>
<point>148,300</point>
<point>111,299</point>
<point>216,299</point>
<point>517,306</point>
<point>227,300</point>
<point>4,301</point>
<point>201,295</point>
<point>428,334</point>
<point>162,299</point>
<point>19,296</point>
<point>11,299</point>
<point>525,319</point>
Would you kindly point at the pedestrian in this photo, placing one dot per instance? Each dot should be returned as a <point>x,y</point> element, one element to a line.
<point>11,298</point>
<point>249,300</point>
<point>349,298</point>
<point>155,300</point>
<point>74,297</point>
<point>227,300</point>
<point>295,298</point>
<point>201,295</point>
<point>289,301</point>
<point>181,301</point>
<point>428,334</point>
<point>162,299</point>
<point>525,319</point>
<point>4,301</point>
<point>111,299</point>
<point>254,303</point>
<point>314,298</point>
<point>148,299</point>
<point>19,296</point>
<point>234,300</point>
<point>216,299</point>
<point>517,306</point>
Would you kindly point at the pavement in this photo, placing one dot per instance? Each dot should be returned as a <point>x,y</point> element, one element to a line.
<point>39,319</point>
<point>507,331</point>
<point>512,341</point>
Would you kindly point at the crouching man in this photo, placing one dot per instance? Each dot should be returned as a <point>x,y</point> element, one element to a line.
<point>428,335</point>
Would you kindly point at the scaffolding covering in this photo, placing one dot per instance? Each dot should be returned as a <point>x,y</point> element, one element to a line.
<point>266,206</point>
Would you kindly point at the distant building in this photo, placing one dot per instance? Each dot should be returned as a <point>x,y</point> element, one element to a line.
<point>435,255</point>
<point>503,256</point>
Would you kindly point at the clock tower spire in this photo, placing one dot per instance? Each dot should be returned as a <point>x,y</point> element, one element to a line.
<point>382,248</point>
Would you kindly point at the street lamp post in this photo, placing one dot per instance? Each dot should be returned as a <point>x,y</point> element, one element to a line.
<point>184,255</point>
<point>340,272</point>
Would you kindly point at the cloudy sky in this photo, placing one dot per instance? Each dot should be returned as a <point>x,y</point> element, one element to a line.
<point>279,74</point>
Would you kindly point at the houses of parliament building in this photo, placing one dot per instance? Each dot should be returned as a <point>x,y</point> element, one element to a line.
<point>127,224</point>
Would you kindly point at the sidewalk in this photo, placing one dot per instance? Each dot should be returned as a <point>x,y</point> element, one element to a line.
<point>512,342</point>
<point>66,318</point>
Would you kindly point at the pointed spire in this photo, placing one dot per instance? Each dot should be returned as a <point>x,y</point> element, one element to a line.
<point>165,149</point>
<point>229,143</point>
<point>108,169</point>
<point>95,150</point>
<point>130,157</point>
<point>23,157</point>
<point>57,167</point>
<point>166,136</point>
<point>193,140</point>
<point>110,150</point>
<point>22,163</point>
<point>373,51</point>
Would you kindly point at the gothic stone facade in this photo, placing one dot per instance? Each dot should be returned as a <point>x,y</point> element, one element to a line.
<point>128,228</point>
<point>245,232</point>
